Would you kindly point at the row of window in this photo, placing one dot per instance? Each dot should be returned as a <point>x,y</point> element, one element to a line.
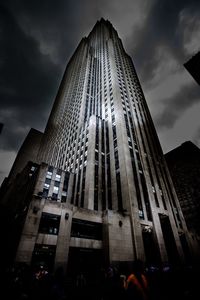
<point>50,223</point>
<point>56,186</point>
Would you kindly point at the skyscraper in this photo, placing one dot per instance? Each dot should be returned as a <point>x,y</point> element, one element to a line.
<point>103,193</point>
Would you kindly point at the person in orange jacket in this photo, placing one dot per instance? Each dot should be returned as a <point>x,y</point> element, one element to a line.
<point>136,283</point>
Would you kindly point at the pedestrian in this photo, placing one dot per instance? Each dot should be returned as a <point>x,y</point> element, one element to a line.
<point>136,283</point>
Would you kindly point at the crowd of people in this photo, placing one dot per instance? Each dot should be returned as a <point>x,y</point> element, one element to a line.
<point>23,282</point>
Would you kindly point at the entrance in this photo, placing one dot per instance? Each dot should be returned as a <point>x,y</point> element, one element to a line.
<point>44,255</point>
<point>151,248</point>
<point>84,260</point>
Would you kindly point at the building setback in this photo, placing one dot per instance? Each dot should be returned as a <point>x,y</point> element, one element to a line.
<point>103,193</point>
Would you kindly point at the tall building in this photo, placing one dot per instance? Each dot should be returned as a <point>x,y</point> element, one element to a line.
<point>102,192</point>
<point>27,152</point>
<point>193,66</point>
<point>184,166</point>
<point>1,127</point>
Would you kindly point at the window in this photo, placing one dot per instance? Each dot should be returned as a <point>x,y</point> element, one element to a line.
<point>57,183</point>
<point>58,177</point>
<point>45,193</point>
<point>55,190</point>
<point>86,229</point>
<point>49,224</point>
<point>115,143</point>
<point>66,181</point>
<point>141,214</point>
<point>46,186</point>
<point>47,181</point>
<point>49,175</point>
<point>50,169</point>
<point>63,197</point>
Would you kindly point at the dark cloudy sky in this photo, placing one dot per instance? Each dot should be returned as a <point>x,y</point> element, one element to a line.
<point>37,38</point>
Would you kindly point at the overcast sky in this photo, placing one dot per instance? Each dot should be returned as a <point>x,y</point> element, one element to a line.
<point>38,37</point>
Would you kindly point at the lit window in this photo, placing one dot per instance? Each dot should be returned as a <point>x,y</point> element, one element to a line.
<point>141,214</point>
<point>46,186</point>
<point>49,175</point>
<point>57,177</point>
<point>55,190</point>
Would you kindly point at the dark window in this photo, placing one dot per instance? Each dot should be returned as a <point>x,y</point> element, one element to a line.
<point>66,181</point>
<point>45,193</point>
<point>107,139</point>
<point>169,239</point>
<point>96,156</point>
<point>63,199</point>
<point>50,169</point>
<point>109,183</point>
<point>116,159</point>
<point>54,196</point>
<point>96,188</point>
<point>114,132</point>
<point>47,180</point>
<point>119,192</point>
<point>59,172</point>
<point>57,183</point>
<point>86,229</point>
<point>113,118</point>
<point>83,187</point>
<point>115,143</point>
<point>151,247</point>
<point>49,224</point>
<point>146,197</point>
<point>78,188</point>
<point>139,201</point>
<point>73,189</point>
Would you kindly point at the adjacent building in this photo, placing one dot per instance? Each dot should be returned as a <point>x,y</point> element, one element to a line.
<point>193,66</point>
<point>102,192</point>
<point>27,152</point>
<point>184,166</point>
<point>1,127</point>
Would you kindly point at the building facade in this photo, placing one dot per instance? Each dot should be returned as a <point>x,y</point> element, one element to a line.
<point>103,192</point>
<point>184,166</point>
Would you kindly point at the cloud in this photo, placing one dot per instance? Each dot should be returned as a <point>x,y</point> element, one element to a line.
<point>186,128</point>
<point>125,15</point>
<point>7,160</point>
<point>39,37</point>
<point>162,28</point>
<point>28,82</point>
<point>56,26</point>
<point>189,20</point>
<point>176,105</point>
